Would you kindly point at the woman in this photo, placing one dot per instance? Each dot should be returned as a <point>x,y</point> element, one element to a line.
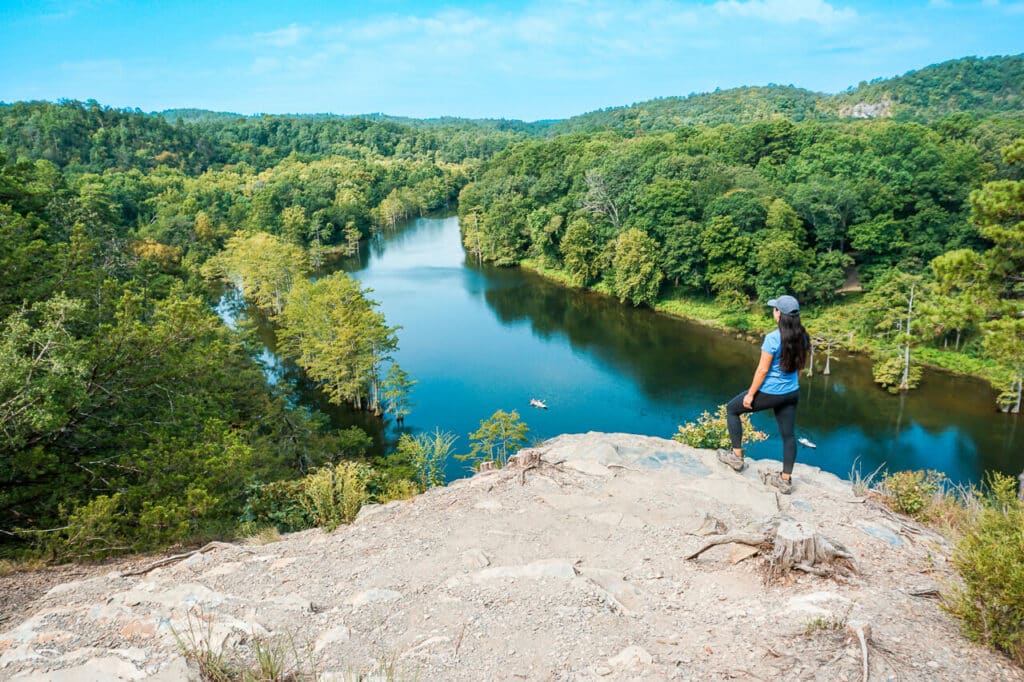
<point>774,387</point>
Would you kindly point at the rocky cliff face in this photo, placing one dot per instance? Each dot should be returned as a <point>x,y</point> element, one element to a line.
<point>568,568</point>
<point>881,109</point>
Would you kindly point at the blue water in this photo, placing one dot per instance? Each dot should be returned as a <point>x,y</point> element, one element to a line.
<point>478,339</point>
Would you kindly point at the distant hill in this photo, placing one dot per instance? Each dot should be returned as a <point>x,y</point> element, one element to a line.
<point>195,115</point>
<point>510,125</point>
<point>721,106</point>
<point>980,86</point>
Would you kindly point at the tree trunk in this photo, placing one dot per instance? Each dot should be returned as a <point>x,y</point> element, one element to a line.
<point>905,380</point>
<point>828,362</point>
<point>810,364</point>
<point>1020,387</point>
<point>957,346</point>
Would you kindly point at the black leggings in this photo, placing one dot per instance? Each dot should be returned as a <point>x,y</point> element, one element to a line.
<point>785,414</point>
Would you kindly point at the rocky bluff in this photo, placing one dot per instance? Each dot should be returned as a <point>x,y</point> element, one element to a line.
<point>569,564</point>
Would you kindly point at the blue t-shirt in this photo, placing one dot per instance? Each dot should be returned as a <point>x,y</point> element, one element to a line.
<point>777,382</point>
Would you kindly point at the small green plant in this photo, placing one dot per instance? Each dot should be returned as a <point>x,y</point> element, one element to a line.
<point>274,659</point>
<point>823,624</point>
<point>713,432</point>
<point>990,560</point>
<point>913,492</point>
<point>196,645</point>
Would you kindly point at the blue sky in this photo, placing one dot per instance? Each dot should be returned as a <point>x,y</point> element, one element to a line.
<point>526,60</point>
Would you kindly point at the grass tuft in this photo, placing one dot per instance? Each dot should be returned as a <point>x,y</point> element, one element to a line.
<point>265,535</point>
<point>862,484</point>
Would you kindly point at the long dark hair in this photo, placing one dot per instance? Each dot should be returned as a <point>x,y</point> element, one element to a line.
<point>795,342</point>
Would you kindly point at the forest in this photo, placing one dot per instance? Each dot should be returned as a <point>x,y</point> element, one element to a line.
<point>133,417</point>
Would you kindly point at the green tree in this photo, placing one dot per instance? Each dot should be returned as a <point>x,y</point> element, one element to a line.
<point>781,265</point>
<point>998,211</point>
<point>338,337</point>
<point>637,277</point>
<point>262,266</point>
<point>962,292</point>
<point>892,311</point>
<point>580,250</point>
<point>395,392</point>
<point>1004,342</point>
<point>498,438</point>
<point>295,224</point>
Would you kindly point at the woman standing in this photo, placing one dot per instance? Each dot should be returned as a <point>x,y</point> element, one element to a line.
<point>775,387</point>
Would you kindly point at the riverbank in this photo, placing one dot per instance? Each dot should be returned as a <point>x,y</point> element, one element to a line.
<point>752,326</point>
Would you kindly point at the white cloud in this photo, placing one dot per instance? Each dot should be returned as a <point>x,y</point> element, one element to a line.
<point>282,37</point>
<point>786,11</point>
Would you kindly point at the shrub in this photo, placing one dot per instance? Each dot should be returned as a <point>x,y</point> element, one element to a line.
<point>93,531</point>
<point>990,560</point>
<point>398,490</point>
<point>888,373</point>
<point>334,494</point>
<point>278,504</point>
<point>713,432</point>
<point>428,454</point>
<point>913,492</point>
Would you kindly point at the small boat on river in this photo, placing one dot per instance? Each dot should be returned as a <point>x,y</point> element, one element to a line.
<point>539,404</point>
<point>806,443</point>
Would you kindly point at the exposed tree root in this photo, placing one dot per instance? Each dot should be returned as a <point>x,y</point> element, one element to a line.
<point>788,546</point>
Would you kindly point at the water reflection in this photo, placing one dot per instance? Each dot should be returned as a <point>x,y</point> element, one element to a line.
<point>479,338</point>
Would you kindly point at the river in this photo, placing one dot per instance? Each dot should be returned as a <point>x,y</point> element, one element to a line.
<point>478,339</point>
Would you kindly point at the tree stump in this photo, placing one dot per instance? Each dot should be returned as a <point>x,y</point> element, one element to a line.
<point>526,458</point>
<point>789,545</point>
<point>797,546</point>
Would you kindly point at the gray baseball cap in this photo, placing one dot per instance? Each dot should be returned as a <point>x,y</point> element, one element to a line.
<point>786,304</point>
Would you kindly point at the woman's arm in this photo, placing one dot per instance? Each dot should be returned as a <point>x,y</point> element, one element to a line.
<point>759,374</point>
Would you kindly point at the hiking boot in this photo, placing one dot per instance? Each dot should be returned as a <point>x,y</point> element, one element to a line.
<point>732,459</point>
<point>774,479</point>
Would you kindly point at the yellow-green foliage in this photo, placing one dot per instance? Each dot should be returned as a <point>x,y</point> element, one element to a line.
<point>713,432</point>
<point>334,494</point>
<point>913,492</point>
<point>398,489</point>
<point>990,560</point>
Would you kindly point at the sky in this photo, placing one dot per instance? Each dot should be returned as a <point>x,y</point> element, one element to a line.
<point>519,60</point>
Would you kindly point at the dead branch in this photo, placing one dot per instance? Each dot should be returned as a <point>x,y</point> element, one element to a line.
<point>178,557</point>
